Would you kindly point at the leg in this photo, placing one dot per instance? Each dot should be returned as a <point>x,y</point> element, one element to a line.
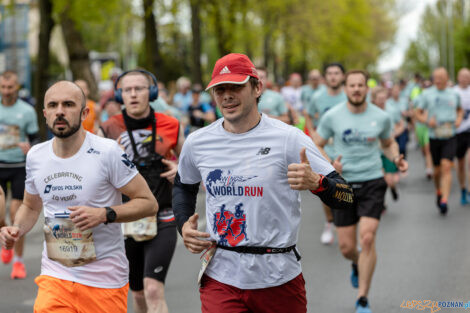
<point>158,254</point>
<point>445,178</point>
<point>2,208</point>
<point>138,301</point>
<point>348,242</point>
<point>368,257</point>
<point>154,292</point>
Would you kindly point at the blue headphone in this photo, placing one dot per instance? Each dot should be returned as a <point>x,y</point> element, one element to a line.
<point>153,90</point>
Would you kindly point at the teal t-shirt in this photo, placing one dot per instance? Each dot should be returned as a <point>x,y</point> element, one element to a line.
<point>272,103</point>
<point>322,101</point>
<point>396,108</point>
<point>308,92</point>
<point>357,139</point>
<point>160,105</point>
<point>16,122</point>
<point>443,105</point>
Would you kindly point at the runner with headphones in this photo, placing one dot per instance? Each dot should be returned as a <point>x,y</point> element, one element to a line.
<point>151,140</point>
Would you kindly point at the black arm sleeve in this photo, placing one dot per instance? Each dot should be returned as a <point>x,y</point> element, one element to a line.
<point>335,192</point>
<point>184,201</point>
<point>34,139</point>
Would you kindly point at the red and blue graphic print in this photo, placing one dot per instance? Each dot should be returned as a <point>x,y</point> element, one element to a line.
<point>230,226</point>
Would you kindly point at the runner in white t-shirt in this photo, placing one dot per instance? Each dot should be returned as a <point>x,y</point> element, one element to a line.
<point>253,167</point>
<point>463,132</point>
<point>78,179</point>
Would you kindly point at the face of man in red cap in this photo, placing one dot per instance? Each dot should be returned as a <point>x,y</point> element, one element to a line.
<point>234,92</point>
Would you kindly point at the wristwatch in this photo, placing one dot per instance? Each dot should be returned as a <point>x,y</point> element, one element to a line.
<point>110,215</point>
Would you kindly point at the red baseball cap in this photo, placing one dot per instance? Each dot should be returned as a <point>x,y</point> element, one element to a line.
<point>234,68</point>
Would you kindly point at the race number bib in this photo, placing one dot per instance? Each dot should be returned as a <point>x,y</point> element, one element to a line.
<point>141,230</point>
<point>205,260</point>
<point>444,131</point>
<point>9,136</point>
<point>67,244</point>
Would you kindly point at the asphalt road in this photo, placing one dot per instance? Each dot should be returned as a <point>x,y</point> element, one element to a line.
<point>421,256</point>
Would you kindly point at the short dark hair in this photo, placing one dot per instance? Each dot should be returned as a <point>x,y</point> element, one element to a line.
<point>9,74</point>
<point>337,64</point>
<point>362,72</point>
<point>254,83</point>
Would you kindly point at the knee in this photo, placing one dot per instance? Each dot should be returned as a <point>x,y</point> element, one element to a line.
<point>154,290</point>
<point>347,249</point>
<point>367,240</point>
<point>139,296</point>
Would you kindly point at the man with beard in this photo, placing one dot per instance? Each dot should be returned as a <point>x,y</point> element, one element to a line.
<point>357,128</point>
<point>79,178</point>
<point>151,140</point>
<point>253,167</point>
<point>18,132</point>
<point>321,102</point>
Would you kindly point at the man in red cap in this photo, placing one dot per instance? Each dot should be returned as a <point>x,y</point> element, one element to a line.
<point>253,167</point>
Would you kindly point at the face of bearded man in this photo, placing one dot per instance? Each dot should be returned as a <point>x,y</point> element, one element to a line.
<point>356,89</point>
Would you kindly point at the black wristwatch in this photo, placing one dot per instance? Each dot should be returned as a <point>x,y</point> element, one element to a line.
<point>110,215</point>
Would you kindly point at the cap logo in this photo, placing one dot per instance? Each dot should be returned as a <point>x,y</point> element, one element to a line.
<point>225,70</point>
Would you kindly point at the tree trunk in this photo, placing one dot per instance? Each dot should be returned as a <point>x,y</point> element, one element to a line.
<point>153,61</point>
<point>196,44</point>
<point>41,76</point>
<point>78,54</point>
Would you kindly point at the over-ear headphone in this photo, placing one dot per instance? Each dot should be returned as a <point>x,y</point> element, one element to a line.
<point>153,90</point>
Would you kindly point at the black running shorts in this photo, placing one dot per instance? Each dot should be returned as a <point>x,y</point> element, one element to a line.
<point>368,201</point>
<point>463,143</point>
<point>443,149</point>
<point>16,176</point>
<point>150,258</point>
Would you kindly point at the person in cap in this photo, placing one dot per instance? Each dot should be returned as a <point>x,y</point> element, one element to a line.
<point>252,167</point>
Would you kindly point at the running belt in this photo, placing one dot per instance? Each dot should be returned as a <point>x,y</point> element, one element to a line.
<point>262,250</point>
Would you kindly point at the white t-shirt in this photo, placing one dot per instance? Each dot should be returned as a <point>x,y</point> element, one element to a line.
<point>90,178</point>
<point>465,104</point>
<point>293,97</point>
<point>245,176</point>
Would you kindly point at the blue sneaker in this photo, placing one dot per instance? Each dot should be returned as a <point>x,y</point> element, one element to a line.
<point>463,198</point>
<point>362,309</point>
<point>354,276</point>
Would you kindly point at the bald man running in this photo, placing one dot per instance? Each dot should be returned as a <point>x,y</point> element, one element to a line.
<point>79,178</point>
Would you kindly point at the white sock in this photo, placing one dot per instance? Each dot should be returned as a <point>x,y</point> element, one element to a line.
<point>17,259</point>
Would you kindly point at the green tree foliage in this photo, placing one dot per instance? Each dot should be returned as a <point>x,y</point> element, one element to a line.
<point>443,39</point>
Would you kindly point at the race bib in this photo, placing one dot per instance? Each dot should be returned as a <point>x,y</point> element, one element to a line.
<point>9,136</point>
<point>141,230</point>
<point>444,131</point>
<point>67,244</point>
<point>205,260</point>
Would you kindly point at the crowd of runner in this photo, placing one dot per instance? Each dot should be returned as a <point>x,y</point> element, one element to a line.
<point>341,135</point>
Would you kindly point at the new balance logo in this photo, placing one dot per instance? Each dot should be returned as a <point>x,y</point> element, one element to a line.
<point>263,151</point>
<point>225,70</point>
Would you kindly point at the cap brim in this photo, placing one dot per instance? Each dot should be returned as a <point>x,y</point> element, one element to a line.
<point>238,79</point>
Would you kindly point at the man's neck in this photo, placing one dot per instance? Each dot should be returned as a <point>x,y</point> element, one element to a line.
<point>140,116</point>
<point>462,86</point>
<point>357,109</point>
<point>67,147</point>
<point>334,91</point>
<point>243,126</point>
<point>9,103</point>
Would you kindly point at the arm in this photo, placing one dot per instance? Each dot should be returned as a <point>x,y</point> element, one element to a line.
<point>391,152</point>
<point>332,189</point>
<point>421,115</point>
<point>172,165</point>
<point>2,207</point>
<point>142,203</point>
<point>25,219</point>
<point>399,128</point>
<point>184,206</point>
<point>459,118</point>
<point>308,123</point>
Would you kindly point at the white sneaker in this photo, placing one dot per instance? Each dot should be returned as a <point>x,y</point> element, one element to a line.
<point>327,237</point>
